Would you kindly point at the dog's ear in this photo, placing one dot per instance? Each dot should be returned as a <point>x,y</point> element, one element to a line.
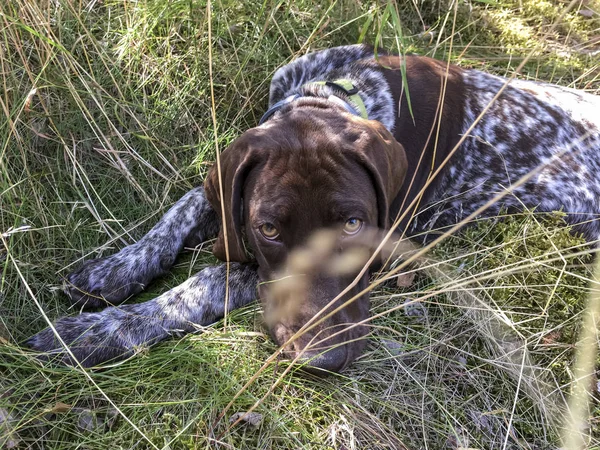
<point>385,160</point>
<point>235,162</point>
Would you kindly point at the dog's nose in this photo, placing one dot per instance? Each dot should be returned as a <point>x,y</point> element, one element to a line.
<point>321,362</point>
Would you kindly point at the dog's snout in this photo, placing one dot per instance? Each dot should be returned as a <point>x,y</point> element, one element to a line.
<point>318,327</point>
<point>321,361</point>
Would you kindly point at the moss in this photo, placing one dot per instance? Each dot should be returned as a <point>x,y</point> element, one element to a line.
<point>535,270</point>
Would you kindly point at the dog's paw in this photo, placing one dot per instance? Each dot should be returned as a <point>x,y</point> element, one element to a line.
<point>111,280</point>
<point>90,339</point>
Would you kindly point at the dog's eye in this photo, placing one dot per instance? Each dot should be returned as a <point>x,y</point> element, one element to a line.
<point>269,231</point>
<point>352,225</point>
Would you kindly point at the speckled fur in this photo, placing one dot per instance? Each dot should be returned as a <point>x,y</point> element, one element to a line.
<point>118,332</point>
<point>113,279</point>
<point>356,63</point>
<point>531,124</point>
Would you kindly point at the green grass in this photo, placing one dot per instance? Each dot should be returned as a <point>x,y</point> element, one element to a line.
<point>119,127</point>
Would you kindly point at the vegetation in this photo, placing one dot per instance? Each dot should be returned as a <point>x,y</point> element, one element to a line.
<point>106,121</point>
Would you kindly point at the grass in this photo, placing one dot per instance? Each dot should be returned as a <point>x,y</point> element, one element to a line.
<point>106,122</point>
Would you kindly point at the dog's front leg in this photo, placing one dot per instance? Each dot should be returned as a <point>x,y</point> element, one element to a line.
<point>118,332</point>
<point>113,279</point>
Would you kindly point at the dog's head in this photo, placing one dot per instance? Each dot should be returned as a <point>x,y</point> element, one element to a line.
<point>312,167</point>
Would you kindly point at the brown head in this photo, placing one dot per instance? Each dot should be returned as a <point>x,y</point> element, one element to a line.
<point>313,166</point>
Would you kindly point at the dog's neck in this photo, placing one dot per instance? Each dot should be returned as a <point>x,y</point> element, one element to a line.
<point>355,63</point>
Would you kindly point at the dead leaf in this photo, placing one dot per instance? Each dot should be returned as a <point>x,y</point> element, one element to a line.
<point>405,279</point>
<point>27,105</point>
<point>552,338</point>
<point>60,407</point>
<point>252,418</point>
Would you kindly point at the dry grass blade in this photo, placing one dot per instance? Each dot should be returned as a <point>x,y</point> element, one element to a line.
<point>577,427</point>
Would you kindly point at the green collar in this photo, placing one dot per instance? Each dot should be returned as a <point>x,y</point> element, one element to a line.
<point>354,104</point>
<point>346,86</point>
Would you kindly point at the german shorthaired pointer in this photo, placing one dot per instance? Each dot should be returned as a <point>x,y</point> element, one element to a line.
<point>342,147</point>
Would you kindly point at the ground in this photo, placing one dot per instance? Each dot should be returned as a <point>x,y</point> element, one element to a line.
<point>107,121</point>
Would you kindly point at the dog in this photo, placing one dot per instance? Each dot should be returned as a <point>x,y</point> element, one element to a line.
<point>346,145</point>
